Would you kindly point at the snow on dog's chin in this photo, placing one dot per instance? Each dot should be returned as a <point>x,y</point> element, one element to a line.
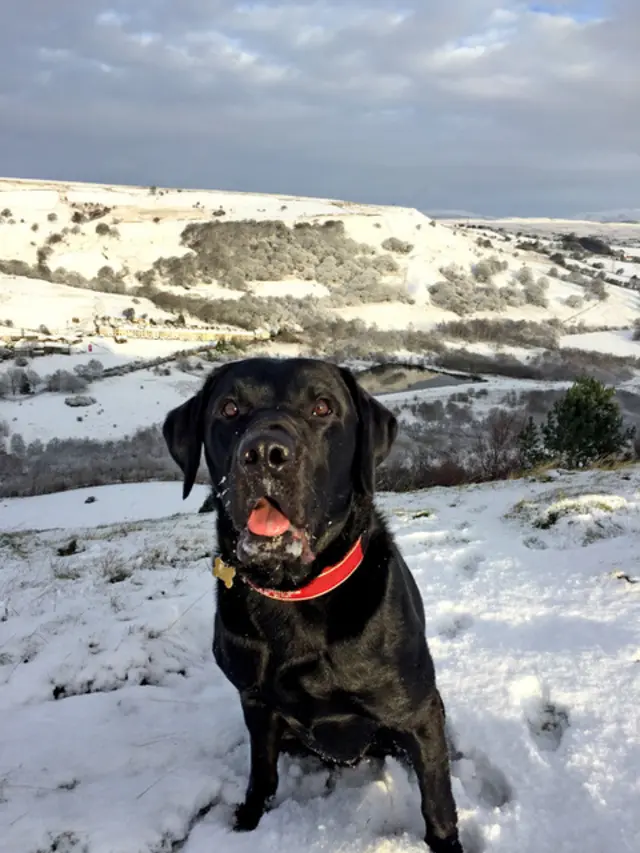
<point>290,547</point>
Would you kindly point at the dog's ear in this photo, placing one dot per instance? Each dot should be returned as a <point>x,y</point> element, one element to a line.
<point>377,430</point>
<point>183,431</point>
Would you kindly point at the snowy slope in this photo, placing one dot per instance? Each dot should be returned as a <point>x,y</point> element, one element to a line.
<point>28,302</point>
<point>119,735</point>
<point>619,342</point>
<point>124,404</point>
<point>149,226</point>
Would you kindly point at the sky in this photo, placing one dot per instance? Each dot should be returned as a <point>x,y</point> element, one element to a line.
<point>494,108</point>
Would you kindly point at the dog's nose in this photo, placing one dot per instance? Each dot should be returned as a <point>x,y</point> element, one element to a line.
<point>272,450</point>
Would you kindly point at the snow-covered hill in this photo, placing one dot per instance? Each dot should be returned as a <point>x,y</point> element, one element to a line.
<point>301,268</point>
<point>118,733</point>
<point>625,214</point>
<point>84,228</point>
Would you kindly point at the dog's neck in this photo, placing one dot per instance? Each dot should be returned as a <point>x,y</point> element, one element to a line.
<point>330,578</point>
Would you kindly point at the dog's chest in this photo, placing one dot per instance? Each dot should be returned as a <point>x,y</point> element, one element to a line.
<point>333,696</point>
<point>299,674</point>
<point>326,702</point>
<point>320,675</point>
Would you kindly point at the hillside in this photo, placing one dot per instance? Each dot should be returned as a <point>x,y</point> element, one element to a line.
<point>119,733</point>
<point>115,301</point>
<point>199,251</point>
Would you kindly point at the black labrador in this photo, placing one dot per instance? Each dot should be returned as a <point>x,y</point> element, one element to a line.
<point>322,630</point>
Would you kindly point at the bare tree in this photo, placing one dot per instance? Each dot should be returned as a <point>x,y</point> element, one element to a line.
<point>496,448</point>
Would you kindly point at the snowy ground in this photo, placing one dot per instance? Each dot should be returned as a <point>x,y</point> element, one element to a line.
<point>124,404</point>
<point>112,505</point>
<point>29,302</point>
<point>619,342</point>
<point>119,735</point>
<point>546,227</point>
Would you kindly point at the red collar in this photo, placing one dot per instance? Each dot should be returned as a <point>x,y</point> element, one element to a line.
<point>327,580</point>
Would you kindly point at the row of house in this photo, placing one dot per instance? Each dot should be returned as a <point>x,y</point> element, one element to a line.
<point>35,343</point>
<point>176,333</point>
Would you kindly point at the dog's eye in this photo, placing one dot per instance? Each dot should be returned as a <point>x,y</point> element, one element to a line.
<point>229,409</point>
<point>322,408</point>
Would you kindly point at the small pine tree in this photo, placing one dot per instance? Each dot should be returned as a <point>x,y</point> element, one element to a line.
<point>530,445</point>
<point>585,426</point>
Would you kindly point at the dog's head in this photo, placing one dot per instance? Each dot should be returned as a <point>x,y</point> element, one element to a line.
<point>290,444</point>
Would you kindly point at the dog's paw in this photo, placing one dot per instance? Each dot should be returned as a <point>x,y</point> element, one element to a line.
<point>247,817</point>
<point>444,845</point>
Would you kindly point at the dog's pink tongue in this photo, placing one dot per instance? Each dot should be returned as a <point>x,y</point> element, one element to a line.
<point>266,520</point>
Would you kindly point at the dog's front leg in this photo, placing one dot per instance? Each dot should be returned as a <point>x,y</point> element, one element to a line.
<point>265,732</point>
<point>426,746</point>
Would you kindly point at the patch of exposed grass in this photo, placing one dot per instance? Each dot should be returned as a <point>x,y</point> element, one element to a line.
<point>583,504</point>
<point>113,567</point>
<point>424,513</point>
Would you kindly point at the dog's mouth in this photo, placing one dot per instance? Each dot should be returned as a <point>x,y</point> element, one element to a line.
<point>270,538</point>
<point>267,519</point>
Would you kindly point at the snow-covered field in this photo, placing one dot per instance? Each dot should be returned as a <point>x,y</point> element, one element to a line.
<point>546,226</point>
<point>112,505</point>
<point>618,342</point>
<point>29,302</point>
<point>124,404</point>
<point>118,734</point>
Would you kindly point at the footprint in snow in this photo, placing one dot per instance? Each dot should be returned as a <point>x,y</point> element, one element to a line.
<point>548,726</point>
<point>450,625</point>
<point>482,780</point>
<point>546,720</point>
<point>472,838</point>
<point>470,564</point>
<point>64,842</point>
<point>535,543</point>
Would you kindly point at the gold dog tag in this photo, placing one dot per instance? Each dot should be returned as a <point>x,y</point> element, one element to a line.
<point>224,572</point>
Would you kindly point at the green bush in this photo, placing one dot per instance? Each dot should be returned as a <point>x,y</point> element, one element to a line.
<point>392,244</point>
<point>232,254</point>
<point>585,426</point>
<point>484,270</point>
<point>574,301</point>
<point>535,292</point>
<point>530,445</point>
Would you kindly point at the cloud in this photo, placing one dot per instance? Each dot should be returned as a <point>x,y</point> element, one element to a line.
<point>498,107</point>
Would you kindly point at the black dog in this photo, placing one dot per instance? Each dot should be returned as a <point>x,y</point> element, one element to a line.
<point>322,631</point>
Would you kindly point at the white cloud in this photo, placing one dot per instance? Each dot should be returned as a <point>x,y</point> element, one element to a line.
<point>503,16</point>
<point>473,104</point>
<point>111,18</point>
<point>456,57</point>
<point>54,54</point>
